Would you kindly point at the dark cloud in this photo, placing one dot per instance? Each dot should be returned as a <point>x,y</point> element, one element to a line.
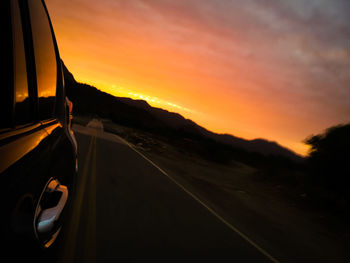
<point>301,47</point>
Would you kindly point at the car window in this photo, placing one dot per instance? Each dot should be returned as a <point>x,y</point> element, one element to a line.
<point>6,90</point>
<point>45,58</point>
<point>22,104</point>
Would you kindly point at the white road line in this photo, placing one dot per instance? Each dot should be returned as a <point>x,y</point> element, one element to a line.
<point>245,237</point>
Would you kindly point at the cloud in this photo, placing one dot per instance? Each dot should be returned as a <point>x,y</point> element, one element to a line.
<point>288,52</point>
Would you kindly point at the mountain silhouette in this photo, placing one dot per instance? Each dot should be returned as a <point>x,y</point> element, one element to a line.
<point>88,100</point>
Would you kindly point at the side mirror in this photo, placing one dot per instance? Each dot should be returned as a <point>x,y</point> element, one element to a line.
<point>69,112</point>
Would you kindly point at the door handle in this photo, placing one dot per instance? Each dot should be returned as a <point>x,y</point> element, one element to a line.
<point>51,206</point>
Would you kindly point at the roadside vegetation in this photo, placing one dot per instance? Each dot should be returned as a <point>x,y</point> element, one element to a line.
<point>328,169</point>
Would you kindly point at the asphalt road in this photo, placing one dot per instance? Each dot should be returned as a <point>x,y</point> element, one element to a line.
<point>127,210</point>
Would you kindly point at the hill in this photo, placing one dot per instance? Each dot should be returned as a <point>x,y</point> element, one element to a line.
<point>88,100</point>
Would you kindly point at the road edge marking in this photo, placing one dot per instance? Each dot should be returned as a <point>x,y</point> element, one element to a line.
<point>73,226</point>
<point>90,228</point>
<point>245,237</point>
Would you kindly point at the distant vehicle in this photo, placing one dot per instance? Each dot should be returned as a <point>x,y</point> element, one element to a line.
<point>38,150</point>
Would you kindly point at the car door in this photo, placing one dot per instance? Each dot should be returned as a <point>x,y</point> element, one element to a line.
<point>61,162</point>
<point>37,157</point>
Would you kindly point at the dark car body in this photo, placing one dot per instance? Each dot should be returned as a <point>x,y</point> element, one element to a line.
<point>38,151</point>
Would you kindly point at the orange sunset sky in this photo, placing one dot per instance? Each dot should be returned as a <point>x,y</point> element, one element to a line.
<point>278,69</point>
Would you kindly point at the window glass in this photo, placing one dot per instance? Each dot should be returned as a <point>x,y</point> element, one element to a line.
<point>22,104</point>
<point>6,89</point>
<point>45,58</point>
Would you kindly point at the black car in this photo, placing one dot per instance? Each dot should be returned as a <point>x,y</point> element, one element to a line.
<point>38,151</point>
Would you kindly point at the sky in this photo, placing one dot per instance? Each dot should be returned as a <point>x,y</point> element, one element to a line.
<point>273,69</point>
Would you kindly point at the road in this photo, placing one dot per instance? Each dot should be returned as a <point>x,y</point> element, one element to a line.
<point>126,209</point>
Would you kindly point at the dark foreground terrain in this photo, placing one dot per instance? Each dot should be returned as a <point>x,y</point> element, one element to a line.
<point>128,210</point>
<point>274,211</point>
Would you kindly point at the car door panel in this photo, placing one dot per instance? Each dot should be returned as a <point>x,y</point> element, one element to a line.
<point>37,149</point>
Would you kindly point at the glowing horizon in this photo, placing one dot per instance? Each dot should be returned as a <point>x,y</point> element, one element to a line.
<point>119,91</point>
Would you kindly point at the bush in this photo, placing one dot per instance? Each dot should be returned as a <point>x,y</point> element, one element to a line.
<point>328,160</point>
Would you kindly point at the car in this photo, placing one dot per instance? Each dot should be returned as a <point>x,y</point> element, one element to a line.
<point>38,150</point>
